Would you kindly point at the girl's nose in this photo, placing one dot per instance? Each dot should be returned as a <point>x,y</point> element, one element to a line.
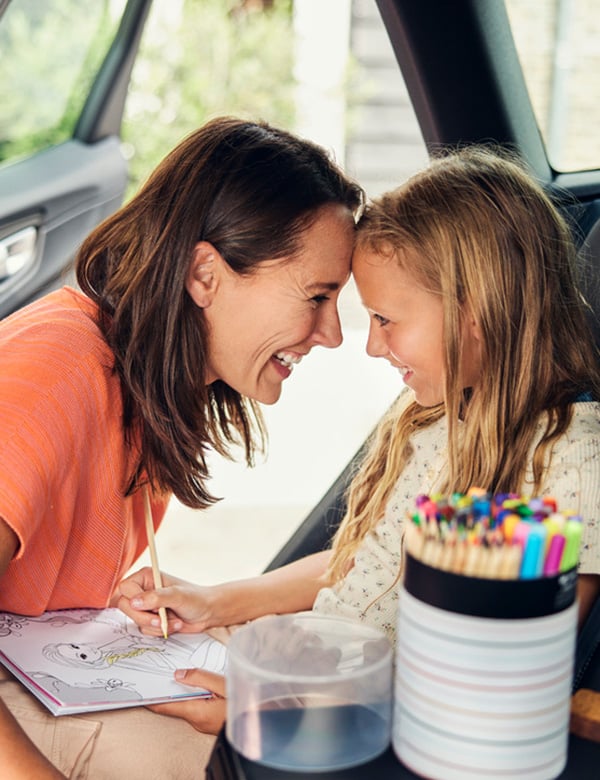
<point>376,346</point>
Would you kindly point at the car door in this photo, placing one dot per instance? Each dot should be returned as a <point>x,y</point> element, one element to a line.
<point>64,72</point>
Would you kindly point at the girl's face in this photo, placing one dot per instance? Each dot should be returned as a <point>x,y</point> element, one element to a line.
<point>406,326</point>
<point>262,325</point>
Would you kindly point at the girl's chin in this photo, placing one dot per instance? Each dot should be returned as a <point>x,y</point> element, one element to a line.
<point>428,398</point>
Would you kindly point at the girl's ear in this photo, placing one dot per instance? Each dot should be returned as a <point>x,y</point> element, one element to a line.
<point>203,274</point>
<point>471,324</point>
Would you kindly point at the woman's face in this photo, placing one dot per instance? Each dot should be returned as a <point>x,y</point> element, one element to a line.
<point>262,325</point>
<point>406,326</point>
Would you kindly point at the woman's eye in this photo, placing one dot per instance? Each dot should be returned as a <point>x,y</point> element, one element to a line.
<point>319,298</point>
<point>382,321</point>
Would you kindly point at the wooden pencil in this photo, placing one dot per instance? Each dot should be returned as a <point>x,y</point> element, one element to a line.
<point>162,612</point>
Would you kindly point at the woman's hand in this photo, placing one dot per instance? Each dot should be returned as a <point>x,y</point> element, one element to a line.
<point>206,715</point>
<point>188,606</point>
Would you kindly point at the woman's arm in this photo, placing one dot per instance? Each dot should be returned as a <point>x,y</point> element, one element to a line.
<point>291,588</point>
<point>21,760</point>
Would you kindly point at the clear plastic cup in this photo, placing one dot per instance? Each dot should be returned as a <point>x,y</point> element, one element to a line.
<point>309,692</point>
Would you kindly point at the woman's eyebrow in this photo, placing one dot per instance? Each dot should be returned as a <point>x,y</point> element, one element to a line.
<point>323,285</point>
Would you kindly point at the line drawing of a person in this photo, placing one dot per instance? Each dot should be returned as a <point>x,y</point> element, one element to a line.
<point>144,654</point>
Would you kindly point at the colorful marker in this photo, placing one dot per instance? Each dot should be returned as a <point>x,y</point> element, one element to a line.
<point>554,555</point>
<point>505,536</point>
<point>572,531</point>
<point>532,564</point>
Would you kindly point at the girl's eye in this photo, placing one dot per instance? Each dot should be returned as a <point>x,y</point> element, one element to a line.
<point>382,321</point>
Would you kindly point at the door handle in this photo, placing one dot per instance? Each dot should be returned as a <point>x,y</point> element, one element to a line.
<point>17,253</point>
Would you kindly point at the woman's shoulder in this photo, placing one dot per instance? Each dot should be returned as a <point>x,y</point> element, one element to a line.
<point>62,307</point>
<point>63,323</point>
<point>52,352</point>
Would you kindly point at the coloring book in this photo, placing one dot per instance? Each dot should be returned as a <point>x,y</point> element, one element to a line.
<point>83,660</point>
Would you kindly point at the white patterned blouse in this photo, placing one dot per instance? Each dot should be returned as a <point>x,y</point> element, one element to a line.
<point>369,592</point>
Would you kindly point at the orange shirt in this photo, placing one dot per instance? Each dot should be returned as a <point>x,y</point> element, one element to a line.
<point>63,460</point>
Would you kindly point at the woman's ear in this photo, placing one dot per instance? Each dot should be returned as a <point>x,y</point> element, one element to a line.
<point>203,274</point>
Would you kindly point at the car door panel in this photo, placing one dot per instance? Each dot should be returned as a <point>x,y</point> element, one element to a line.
<point>62,194</point>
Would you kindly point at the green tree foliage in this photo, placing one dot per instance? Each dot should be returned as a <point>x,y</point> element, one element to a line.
<point>215,57</point>
<point>198,59</point>
<point>44,85</point>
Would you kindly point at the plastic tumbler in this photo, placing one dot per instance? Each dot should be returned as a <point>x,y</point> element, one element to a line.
<point>308,692</point>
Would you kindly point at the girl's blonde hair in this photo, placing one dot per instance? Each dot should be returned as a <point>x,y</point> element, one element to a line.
<point>489,241</point>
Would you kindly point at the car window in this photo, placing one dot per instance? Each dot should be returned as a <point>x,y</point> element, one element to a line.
<point>559,49</point>
<point>202,59</point>
<point>43,87</point>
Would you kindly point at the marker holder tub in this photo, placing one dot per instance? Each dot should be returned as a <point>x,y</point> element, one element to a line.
<point>484,670</point>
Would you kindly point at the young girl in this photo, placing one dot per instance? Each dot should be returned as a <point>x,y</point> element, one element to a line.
<point>468,274</point>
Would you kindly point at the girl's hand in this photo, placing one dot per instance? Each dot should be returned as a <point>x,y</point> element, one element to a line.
<point>188,606</point>
<point>206,715</point>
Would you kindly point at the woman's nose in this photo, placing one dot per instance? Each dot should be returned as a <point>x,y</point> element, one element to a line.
<point>329,329</point>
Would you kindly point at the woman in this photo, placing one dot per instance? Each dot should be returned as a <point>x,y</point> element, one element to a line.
<point>197,299</point>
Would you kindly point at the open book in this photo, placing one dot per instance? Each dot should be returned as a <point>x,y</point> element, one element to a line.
<point>82,660</point>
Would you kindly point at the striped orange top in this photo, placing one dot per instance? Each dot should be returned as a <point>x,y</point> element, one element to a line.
<point>63,460</point>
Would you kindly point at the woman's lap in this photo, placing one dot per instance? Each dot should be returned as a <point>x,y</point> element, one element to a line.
<point>132,743</point>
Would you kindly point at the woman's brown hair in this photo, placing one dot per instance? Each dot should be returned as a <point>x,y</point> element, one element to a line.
<point>250,190</point>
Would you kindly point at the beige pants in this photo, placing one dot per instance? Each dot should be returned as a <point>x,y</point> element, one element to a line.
<point>131,743</point>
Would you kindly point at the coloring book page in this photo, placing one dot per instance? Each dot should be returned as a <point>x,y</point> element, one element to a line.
<point>81,660</point>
